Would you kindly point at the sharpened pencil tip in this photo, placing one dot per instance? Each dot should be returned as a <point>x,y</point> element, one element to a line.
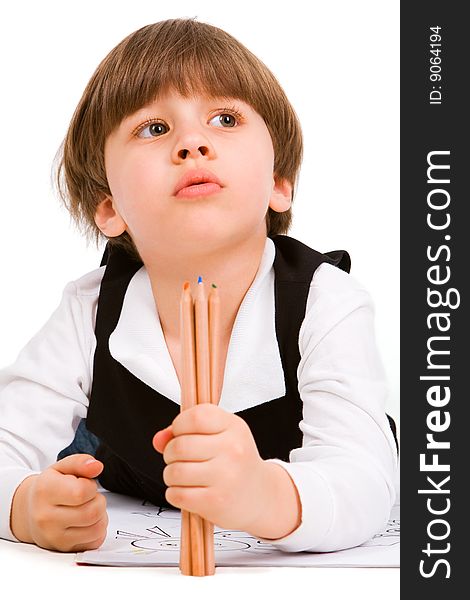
<point>213,285</point>
<point>185,285</point>
<point>199,279</point>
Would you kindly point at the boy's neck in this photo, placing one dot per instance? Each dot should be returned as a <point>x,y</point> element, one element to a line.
<point>233,270</point>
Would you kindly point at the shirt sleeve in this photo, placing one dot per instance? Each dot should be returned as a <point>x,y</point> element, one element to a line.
<point>346,469</point>
<point>44,394</point>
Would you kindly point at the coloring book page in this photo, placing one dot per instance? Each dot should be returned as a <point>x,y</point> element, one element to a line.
<point>141,534</point>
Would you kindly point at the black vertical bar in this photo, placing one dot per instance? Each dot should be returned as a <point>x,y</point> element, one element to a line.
<point>434,272</point>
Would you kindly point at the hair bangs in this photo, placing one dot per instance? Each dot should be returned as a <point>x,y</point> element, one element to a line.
<point>200,65</point>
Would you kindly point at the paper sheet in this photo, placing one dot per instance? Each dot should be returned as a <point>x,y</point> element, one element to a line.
<point>141,534</point>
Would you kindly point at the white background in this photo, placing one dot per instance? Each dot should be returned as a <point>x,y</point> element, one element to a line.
<point>338,62</point>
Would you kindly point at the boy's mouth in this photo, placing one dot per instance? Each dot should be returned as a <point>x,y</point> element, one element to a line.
<point>198,189</point>
<point>197,181</point>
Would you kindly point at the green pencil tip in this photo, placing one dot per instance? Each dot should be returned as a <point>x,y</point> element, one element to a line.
<point>213,285</point>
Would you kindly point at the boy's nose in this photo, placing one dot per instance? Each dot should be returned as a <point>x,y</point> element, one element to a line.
<point>192,144</point>
<point>201,150</point>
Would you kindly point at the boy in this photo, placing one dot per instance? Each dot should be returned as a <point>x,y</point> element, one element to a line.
<point>184,152</point>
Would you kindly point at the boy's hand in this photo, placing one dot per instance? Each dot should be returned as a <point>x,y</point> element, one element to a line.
<point>60,509</point>
<point>213,466</point>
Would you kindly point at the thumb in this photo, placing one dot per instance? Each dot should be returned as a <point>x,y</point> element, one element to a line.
<point>161,438</point>
<point>80,465</point>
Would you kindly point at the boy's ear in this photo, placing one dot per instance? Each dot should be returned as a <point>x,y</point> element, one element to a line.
<point>107,218</point>
<point>281,196</point>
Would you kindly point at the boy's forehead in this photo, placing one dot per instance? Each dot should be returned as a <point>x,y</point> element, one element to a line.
<point>166,99</point>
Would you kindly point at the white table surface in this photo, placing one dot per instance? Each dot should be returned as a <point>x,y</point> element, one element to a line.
<point>27,571</point>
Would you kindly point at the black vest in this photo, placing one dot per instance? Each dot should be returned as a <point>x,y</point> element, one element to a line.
<point>125,413</point>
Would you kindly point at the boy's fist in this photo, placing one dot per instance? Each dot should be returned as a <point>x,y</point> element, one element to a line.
<point>61,509</point>
<point>213,466</point>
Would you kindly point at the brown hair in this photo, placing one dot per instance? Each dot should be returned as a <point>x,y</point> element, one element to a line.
<point>190,58</point>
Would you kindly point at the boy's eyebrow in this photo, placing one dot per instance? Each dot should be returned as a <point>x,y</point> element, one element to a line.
<point>157,104</point>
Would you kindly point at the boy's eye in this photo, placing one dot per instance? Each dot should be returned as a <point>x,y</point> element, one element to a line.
<point>152,129</point>
<point>225,119</point>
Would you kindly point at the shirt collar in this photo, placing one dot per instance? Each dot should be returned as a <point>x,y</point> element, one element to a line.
<point>253,369</point>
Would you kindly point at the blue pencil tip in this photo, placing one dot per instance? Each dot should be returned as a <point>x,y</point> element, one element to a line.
<point>199,279</point>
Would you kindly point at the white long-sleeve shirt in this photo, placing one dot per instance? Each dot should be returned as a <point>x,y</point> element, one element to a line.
<point>345,470</point>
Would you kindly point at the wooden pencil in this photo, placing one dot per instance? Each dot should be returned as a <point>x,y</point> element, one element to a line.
<point>214,343</point>
<point>201,313</point>
<point>200,347</point>
<point>214,391</point>
<point>192,533</point>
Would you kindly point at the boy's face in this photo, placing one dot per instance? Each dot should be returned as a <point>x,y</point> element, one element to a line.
<point>152,149</point>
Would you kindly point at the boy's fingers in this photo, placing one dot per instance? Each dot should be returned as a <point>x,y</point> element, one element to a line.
<point>193,448</point>
<point>87,538</point>
<point>75,483</point>
<point>203,418</point>
<point>80,465</point>
<point>161,438</point>
<point>67,490</point>
<point>86,515</point>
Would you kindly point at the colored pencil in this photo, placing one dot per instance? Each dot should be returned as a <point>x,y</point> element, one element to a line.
<point>188,399</point>
<point>214,395</point>
<point>200,343</point>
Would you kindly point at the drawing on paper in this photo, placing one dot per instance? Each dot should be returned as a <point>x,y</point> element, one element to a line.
<point>157,538</point>
<point>224,541</point>
<point>143,534</point>
<point>166,535</point>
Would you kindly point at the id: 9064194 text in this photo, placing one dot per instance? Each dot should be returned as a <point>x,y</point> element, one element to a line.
<point>435,67</point>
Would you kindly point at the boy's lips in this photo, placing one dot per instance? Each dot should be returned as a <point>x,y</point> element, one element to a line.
<point>196,182</point>
<point>201,189</point>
